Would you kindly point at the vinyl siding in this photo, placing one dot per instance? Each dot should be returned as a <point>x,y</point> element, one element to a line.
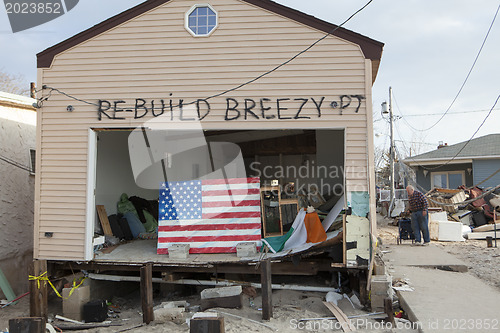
<point>483,169</point>
<point>153,56</point>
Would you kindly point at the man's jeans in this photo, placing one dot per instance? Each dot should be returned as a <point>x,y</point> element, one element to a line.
<point>419,223</point>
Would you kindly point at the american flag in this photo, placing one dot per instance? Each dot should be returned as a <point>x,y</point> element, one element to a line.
<point>213,215</point>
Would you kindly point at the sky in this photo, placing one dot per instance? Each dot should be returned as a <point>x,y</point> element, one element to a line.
<point>430,47</point>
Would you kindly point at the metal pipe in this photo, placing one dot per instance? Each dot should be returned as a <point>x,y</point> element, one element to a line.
<point>223,283</point>
<point>349,317</point>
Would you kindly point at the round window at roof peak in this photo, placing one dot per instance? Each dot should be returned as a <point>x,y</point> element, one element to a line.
<point>201,20</point>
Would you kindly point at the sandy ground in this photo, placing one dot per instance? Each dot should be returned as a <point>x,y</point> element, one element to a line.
<point>482,261</point>
<point>288,307</point>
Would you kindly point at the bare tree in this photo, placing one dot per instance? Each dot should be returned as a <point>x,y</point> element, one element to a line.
<point>14,84</point>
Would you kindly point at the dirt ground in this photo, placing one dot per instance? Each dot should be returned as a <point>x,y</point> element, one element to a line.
<point>288,308</point>
<point>482,261</point>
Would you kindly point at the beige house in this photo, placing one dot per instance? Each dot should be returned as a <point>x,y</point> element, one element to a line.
<point>17,185</point>
<point>182,64</point>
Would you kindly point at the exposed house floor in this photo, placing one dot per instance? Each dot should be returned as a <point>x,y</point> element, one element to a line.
<point>141,251</point>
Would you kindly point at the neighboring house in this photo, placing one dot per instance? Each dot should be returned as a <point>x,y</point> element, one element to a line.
<point>17,184</point>
<point>478,163</point>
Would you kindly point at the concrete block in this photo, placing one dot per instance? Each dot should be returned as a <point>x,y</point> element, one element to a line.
<point>377,303</point>
<point>246,249</point>
<point>165,315</point>
<point>379,267</point>
<point>178,251</point>
<point>221,292</point>
<point>73,305</point>
<point>206,324</point>
<point>381,285</point>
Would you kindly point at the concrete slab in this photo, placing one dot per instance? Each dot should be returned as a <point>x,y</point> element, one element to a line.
<point>443,300</point>
<point>425,256</point>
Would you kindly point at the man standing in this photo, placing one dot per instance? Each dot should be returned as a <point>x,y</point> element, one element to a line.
<point>419,214</point>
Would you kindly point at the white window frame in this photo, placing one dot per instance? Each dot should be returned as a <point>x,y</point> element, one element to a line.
<point>447,173</point>
<point>186,19</point>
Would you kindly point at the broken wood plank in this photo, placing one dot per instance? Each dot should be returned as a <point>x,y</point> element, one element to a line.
<point>346,324</point>
<point>487,227</point>
<point>483,235</point>
<point>103,218</point>
<point>6,288</point>
<point>147,293</point>
<point>267,291</point>
<point>27,325</point>
<point>389,311</point>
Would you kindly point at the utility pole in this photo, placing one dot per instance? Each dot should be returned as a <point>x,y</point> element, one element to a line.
<point>387,109</point>
<point>393,150</point>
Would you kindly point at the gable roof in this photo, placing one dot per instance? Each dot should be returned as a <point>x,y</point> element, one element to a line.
<point>482,147</point>
<point>372,49</point>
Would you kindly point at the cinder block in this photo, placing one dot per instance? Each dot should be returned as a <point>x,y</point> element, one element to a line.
<point>381,285</point>
<point>73,305</point>
<point>377,303</point>
<point>247,249</point>
<point>178,251</point>
<point>221,292</point>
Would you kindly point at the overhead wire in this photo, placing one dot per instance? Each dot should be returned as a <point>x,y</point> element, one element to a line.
<point>466,78</point>
<point>466,143</point>
<point>249,81</point>
<point>14,163</point>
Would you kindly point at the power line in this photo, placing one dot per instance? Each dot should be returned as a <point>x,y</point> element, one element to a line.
<point>466,143</point>
<point>242,84</point>
<point>14,163</point>
<point>467,77</point>
<point>450,113</point>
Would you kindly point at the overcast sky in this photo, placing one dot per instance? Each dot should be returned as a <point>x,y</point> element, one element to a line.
<point>429,49</point>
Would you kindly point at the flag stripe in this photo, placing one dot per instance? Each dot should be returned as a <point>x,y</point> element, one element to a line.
<point>253,180</point>
<point>198,227</point>
<point>230,215</point>
<point>231,192</point>
<point>210,233</point>
<point>236,209</point>
<point>233,198</point>
<point>209,221</point>
<point>231,204</point>
<point>208,238</point>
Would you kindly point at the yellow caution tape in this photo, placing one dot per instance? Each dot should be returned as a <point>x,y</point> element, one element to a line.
<point>43,277</point>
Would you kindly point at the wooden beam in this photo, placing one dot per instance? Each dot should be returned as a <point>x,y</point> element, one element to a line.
<point>38,290</point>
<point>389,311</point>
<point>147,293</point>
<point>103,218</point>
<point>267,292</point>
<point>483,235</point>
<point>363,287</point>
<point>487,227</point>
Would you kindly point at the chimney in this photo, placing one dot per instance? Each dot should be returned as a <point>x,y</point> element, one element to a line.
<point>441,144</point>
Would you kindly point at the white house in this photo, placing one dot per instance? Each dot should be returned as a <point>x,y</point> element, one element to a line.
<point>17,184</point>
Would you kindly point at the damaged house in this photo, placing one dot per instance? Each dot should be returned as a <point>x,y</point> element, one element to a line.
<point>176,93</point>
